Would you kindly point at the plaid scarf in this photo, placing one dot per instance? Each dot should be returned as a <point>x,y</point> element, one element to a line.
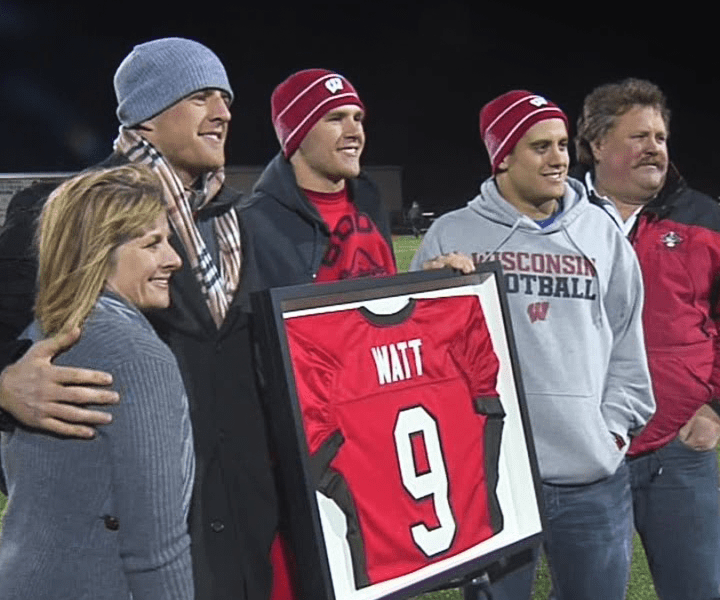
<point>218,286</point>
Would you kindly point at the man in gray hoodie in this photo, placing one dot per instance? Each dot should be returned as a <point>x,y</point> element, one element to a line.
<point>575,293</point>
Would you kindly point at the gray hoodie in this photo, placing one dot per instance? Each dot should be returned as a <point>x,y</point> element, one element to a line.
<point>575,294</point>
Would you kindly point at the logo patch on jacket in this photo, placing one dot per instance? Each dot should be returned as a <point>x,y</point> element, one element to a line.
<point>671,239</point>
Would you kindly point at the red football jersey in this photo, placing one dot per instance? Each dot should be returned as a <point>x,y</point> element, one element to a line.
<point>403,424</point>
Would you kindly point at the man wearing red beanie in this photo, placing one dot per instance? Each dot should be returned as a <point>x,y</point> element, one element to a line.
<point>575,296</point>
<point>313,215</point>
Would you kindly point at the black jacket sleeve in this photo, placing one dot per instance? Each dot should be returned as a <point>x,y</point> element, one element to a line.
<point>18,270</point>
<point>18,262</point>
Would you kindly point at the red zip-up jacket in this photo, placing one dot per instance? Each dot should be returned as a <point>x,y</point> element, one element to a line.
<point>677,241</point>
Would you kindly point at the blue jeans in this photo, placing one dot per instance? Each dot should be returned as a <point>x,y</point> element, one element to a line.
<point>677,514</point>
<point>588,545</point>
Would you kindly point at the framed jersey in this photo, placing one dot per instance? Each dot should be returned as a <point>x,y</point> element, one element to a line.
<point>398,419</point>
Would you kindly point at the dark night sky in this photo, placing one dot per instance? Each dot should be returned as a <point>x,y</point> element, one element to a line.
<point>423,69</point>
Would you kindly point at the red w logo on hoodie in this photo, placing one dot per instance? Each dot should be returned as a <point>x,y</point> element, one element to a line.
<point>538,311</point>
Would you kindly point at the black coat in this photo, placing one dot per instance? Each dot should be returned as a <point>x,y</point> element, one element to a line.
<point>233,516</point>
<point>285,237</point>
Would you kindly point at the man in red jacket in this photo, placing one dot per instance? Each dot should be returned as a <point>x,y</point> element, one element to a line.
<point>675,230</point>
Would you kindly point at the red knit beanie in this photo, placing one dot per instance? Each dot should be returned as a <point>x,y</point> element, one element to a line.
<point>301,101</point>
<point>505,120</point>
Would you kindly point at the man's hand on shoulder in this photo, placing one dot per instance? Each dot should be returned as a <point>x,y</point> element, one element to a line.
<point>42,395</point>
<point>454,260</point>
<point>702,431</point>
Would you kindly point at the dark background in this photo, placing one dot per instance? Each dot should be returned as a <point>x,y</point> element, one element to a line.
<point>423,69</point>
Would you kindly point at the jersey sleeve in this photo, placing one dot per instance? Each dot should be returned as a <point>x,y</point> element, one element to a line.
<point>474,347</point>
<point>312,368</point>
<point>473,351</point>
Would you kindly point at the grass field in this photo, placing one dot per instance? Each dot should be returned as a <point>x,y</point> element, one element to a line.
<point>640,587</point>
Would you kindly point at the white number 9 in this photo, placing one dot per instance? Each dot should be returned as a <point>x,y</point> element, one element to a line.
<point>434,482</point>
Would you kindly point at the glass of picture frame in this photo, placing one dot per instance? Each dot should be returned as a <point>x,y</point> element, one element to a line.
<point>403,444</point>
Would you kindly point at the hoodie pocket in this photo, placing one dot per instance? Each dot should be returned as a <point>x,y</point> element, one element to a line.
<point>573,443</point>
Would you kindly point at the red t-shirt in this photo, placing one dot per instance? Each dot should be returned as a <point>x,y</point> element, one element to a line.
<point>356,247</point>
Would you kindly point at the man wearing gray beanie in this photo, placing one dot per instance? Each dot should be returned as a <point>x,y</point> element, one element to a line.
<point>175,94</point>
<point>173,99</point>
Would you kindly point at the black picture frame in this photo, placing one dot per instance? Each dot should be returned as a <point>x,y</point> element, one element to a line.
<point>302,523</point>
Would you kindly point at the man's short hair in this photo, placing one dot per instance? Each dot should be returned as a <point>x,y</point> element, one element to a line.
<point>605,103</point>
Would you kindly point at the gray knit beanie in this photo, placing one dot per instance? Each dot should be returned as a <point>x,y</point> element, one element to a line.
<point>157,74</point>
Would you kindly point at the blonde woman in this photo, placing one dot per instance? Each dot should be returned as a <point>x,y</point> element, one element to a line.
<point>104,518</point>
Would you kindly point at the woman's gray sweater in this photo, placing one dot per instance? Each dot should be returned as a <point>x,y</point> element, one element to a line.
<point>105,518</point>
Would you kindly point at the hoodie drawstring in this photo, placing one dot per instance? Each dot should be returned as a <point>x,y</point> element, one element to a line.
<point>503,241</point>
<point>596,306</point>
<point>317,246</point>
